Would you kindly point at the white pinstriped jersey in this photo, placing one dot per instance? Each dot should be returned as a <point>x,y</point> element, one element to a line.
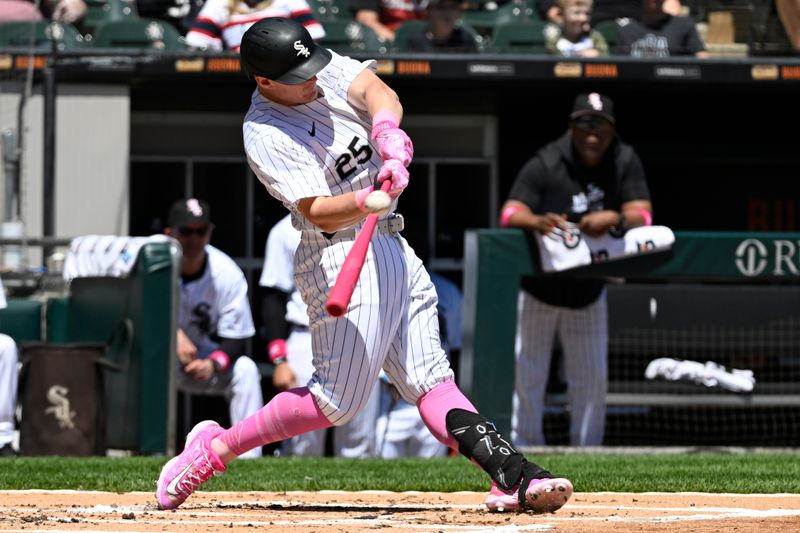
<point>279,251</point>
<point>323,149</point>
<point>215,304</point>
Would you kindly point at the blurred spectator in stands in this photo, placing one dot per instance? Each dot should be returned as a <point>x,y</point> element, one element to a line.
<point>8,383</point>
<point>285,322</point>
<point>221,23</point>
<point>574,37</point>
<point>590,181</point>
<point>789,15</point>
<point>18,11</point>
<point>604,9</point>
<point>67,11</point>
<point>656,33</point>
<point>214,317</point>
<point>443,33</point>
<point>385,16</point>
<point>180,13</point>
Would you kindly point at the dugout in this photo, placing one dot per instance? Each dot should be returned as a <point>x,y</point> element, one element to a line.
<point>140,408</point>
<point>727,297</point>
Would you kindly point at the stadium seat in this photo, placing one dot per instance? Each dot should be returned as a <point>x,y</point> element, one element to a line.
<point>348,36</point>
<point>40,35</point>
<point>609,29</point>
<point>325,10</point>
<point>485,20</point>
<point>138,33</point>
<point>412,27</point>
<point>523,37</point>
<point>101,11</point>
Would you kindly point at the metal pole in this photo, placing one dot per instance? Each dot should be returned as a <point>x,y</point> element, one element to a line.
<point>49,178</point>
<point>11,169</point>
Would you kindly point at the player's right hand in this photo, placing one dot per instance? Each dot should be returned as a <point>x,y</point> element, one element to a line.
<point>395,171</point>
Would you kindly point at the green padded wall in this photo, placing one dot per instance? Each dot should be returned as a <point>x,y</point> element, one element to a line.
<point>496,259</point>
<point>140,407</point>
<point>22,319</point>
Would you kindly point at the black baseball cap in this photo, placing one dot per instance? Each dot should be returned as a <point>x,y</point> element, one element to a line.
<point>281,50</point>
<point>189,211</point>
<point>593,104</point>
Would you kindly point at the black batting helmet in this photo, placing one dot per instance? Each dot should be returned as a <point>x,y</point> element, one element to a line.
<point>281,50</point>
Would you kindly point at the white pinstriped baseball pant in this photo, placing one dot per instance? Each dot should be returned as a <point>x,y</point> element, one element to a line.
<point>583,333</point>
<point>8,388</point>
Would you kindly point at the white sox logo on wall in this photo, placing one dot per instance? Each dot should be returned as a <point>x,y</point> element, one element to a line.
<point>301,49</point>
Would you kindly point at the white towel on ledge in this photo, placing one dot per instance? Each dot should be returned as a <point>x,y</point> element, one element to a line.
<point>565,249</point>
<point>104,255</point>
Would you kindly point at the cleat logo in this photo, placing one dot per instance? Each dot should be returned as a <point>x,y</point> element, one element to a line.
<point>172,488</point>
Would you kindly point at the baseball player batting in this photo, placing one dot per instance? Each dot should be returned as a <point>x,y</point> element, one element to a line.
<point>322,129</point>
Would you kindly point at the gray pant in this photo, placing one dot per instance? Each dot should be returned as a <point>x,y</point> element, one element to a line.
<point>583,333</point>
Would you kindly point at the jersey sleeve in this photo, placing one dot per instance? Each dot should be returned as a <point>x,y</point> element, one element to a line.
<point>527,185</point>
<point>278,269</point>
<point>206,29</point>
<point>286,167</point>
<point>344,72</point>
<point>300,11</point>
<point>235,317</point>
<point>634,184</point>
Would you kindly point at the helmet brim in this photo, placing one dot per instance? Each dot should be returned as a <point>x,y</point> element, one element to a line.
<point>319,58</point>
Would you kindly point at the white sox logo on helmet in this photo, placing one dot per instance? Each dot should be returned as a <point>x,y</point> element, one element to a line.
<point>301,49</point>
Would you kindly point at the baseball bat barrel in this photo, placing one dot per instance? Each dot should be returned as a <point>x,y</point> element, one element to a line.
<point>339,297</point>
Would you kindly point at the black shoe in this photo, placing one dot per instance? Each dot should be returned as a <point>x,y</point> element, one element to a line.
<point>8,451</point>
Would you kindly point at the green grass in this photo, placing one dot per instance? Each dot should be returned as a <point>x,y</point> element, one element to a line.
<point>702,472</point>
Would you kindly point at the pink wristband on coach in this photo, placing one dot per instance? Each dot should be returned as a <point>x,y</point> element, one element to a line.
<point>648,218</point>
<point>222,359</point>
<point>507,213</point>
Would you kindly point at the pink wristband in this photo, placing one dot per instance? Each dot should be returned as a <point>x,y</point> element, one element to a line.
<point>384,120</point>
<point>507,213</point>
<point>648,218</point>
<point>222,360</point>
<point>361,197</point>
<point>276,349</point>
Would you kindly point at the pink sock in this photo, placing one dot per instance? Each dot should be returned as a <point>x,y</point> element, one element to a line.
<point>436,403</point>
<point>288,414</point>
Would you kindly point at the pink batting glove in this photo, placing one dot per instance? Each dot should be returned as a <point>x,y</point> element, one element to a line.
<point>393,143</point>
<point>395,171</point>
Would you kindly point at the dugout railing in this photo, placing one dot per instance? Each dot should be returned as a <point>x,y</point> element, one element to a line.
<point>731,298</point>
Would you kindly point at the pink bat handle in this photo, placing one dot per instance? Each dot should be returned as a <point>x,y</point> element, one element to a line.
<point>339,297</point>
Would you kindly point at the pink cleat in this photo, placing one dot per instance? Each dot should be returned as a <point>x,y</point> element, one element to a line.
<point>183,474</point>
<point>542,496</point>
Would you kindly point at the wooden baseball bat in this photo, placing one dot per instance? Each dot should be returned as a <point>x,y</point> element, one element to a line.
<point>339,297</point>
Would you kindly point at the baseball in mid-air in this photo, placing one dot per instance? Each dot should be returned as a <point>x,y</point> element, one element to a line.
<point>377,201</point>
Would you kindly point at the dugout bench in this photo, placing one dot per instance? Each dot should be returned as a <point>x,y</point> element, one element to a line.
<point>496,259</point>
<point>140,408</point>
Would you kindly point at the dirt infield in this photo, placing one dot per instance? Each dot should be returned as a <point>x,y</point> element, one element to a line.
<point>295,512</point>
